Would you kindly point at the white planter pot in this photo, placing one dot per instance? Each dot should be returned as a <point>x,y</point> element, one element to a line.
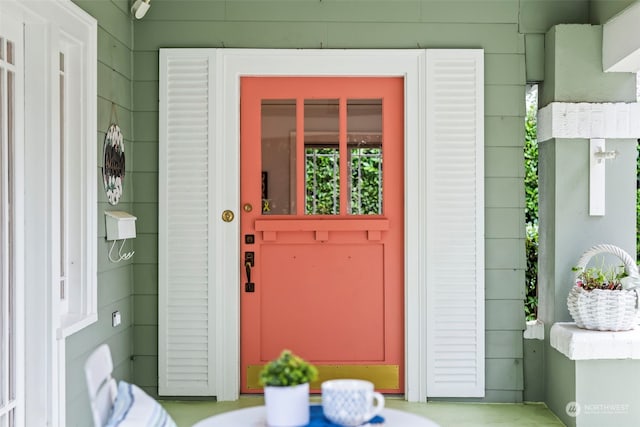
<point>287,406</point>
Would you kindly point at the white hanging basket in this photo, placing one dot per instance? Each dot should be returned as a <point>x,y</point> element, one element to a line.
<point>602,309</point>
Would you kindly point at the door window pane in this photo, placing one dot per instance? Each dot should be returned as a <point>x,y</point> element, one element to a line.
<point>322,180</point>
<point>364,128</point>
<point>322,157</point>
<point>10,52</point>
<point>278,157</point>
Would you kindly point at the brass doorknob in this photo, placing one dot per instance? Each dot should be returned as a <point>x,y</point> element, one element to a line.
<point>227,216</point>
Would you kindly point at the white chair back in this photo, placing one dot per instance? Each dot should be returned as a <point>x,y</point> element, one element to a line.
<point>102,387</point>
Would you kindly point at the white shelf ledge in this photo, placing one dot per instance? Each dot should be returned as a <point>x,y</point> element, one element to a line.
<point>72,323</point>
<point>584,344</point>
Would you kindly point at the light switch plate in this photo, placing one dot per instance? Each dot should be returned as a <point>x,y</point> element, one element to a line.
<point>116,319</point>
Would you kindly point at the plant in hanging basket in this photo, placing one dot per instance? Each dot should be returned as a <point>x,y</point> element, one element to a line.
<point>605,299</point>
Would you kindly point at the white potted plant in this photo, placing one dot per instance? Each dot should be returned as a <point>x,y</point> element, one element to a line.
<point>286,390</point>
<point>605,298</point>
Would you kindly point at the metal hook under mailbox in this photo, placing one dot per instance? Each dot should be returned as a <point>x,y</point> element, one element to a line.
<point>122,257</point>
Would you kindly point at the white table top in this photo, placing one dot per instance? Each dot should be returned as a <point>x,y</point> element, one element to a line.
<point>256,417</point>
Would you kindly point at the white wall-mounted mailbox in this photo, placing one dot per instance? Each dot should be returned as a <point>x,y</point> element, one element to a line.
<point>120,225</point>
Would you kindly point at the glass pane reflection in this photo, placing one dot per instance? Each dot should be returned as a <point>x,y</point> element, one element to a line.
<point>278,157</point>
<point>322,157</point>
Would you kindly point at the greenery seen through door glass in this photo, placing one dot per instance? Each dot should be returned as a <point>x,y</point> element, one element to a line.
<point>322,181</point>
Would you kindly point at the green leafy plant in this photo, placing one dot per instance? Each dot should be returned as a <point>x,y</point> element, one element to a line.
<point>599,278</point>
<point>322,177</point>
<point>287,370</point>
<point>531,166</point>
<point>531,274</point>
<point>322,180</point>
<point>531,213</point>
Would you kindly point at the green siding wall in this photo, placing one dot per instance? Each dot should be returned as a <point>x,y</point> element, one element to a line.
<point>115,281</point>
<point>491,25</point>
<point>533,368</point>
<point>538,16</point>
<point>510,32</point>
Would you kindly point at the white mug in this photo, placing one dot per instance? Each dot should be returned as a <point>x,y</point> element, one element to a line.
<point>350,402</point>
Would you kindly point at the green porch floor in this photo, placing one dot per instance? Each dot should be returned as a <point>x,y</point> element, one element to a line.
<point>187,413</point>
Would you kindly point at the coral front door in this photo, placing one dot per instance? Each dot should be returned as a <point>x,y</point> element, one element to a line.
<point>322,226</point>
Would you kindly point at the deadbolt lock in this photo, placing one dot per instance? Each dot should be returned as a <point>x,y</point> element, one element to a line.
<point>227,216</point>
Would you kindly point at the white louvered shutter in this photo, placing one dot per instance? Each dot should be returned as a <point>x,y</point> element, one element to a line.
<point>455,215</point>
<point>185,350</point>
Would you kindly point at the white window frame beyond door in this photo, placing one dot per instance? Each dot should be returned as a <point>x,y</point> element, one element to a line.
<point>11,225</point>
<point>57,150</point>
<point>444,217</point>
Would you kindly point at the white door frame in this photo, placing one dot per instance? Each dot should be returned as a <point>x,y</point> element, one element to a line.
<point>232,64</point>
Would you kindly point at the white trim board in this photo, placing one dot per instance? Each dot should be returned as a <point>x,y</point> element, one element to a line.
<point>12,252</point>
<point>589,120</point>
<point>411,65</point>
<point>227,66</point>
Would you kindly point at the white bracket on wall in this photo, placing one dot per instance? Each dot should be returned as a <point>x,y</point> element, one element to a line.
<point>597,157</point>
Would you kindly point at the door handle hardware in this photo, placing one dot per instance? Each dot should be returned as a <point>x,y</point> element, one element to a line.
<point>249,286</point>
<point>247,266</point>
<point>249,257</point>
